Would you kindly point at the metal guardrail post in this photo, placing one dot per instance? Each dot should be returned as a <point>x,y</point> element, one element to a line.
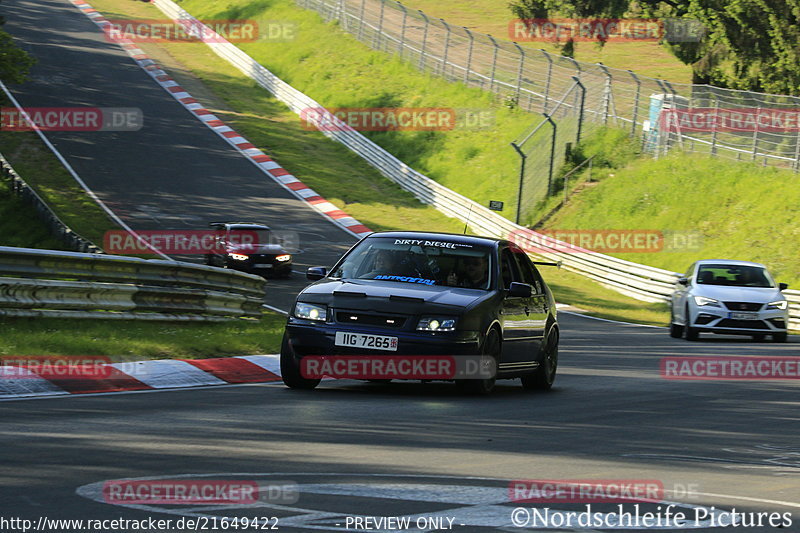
<point>714,126</point>
<point>582,88</point>
<point>402,29</point>
<point>796,162</point>
<point>424,41</point>
<point>494,64</point>
<point>548,78</point>
<point>469,54</point>
<point>523,158</point>
<point>379,33</point>
<point>361,19</point>
<point>635,101</point>
<point>552,155</point>
<point>519,70</point>
<point>446,48</point>
<point>606,93</point>
<point>755,135</point>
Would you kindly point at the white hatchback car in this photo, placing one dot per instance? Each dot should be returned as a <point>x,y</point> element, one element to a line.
<point>729,297</point>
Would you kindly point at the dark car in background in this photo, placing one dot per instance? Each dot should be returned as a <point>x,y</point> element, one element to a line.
<point>414,294</point>
<point>249,247</point>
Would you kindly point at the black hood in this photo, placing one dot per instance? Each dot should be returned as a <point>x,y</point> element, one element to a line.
<point>392,296</point>
<point>256,249</point>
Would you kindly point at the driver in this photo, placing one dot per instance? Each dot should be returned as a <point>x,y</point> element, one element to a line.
<point>476,272</point>
<point>384,264</point>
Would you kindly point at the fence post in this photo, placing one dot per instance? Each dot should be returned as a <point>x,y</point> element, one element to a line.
<point>494,63</point>
<point>606,93</point>
<point>361,19</point>
<point>755,135</point>
<point>446,48</point>
<point>379,33</point>
<point>714,129</point>
<point>523,157</point>
<point>519,70</point>
<point>552,155</point>
<point>424,41</point>
<point>469,54</point>
<point>796,163</point>
<point>343,14</point>
<point>580,109</point>
<point>403,28</point>
<point>635,101</point>
<point>549,78</point>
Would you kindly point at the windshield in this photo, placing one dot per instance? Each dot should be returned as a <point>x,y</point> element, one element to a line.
<point>734,275</point>
<point>427,262</point>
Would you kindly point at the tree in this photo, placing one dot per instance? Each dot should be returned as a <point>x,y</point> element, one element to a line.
<point>15,63</point>
<point>748,44</point>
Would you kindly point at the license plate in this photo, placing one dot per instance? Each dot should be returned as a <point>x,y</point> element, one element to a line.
<point>743,316</point>
<point>361,340</point>
<point>262,265</point>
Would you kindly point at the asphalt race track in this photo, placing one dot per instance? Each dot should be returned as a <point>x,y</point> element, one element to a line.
<point>352,449</point>
<point>174,173</point>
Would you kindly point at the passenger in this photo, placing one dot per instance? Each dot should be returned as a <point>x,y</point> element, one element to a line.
<point>384,264</point>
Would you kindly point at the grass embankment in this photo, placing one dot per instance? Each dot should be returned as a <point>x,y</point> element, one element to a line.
<point>19,225</point>
<point>124,340</point>
<point>739,210</point>
<point>40,169</point>
<point>490,16</point>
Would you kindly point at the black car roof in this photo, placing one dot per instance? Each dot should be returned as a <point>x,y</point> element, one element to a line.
<point>427,235</point>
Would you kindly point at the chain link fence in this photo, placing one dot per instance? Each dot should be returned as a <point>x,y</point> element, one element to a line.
<point>739,125</point>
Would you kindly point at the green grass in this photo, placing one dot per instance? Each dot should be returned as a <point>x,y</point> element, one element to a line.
<point>492,17</point>
<point>124,340</point>
<point>19,226</point>
<point>40,169</point>
<point>739,210</point>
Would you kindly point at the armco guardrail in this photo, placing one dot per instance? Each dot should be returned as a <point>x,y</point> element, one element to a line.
<point>639,281</point>
<point>56,226</point>
<point>46,283</point>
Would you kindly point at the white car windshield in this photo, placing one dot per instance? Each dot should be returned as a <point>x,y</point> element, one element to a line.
<point>427,262</point>
<point>734,276</point>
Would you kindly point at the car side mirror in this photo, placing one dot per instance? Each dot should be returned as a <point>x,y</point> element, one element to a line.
<point>519,290</point>
<point>683,281</point>
<point>783,286</point>
<point>315,273</point>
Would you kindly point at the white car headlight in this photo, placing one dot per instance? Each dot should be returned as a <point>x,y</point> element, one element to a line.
<point>238,257</point>
<point>780,304</point>
<point>703,301</point>
<point>283,257</point>
<point>429,323</point>
<point>311,311</point>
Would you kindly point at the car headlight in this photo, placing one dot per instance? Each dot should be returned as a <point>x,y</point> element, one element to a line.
<point>429,323</point>
<point>238,257</point>
<point>702,301</point>
<point>311,311</point>
<point>780,304</point>
<point>282,258</point>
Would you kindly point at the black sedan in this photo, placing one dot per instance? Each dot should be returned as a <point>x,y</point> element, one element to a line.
<point>249,247</point>
<point>412,294</point>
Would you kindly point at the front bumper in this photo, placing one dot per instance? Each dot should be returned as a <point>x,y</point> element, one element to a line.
<point>307,338</point>
<point>764,322</point>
